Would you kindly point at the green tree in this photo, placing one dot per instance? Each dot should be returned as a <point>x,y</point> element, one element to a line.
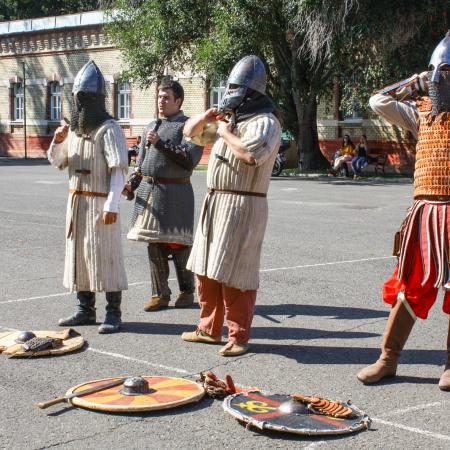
<point>306,44</point>
<point>25,9</point>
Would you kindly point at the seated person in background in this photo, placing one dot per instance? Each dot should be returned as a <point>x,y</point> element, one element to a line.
<point>134,149</point>
<point>361,157</point>
<point>344,154</point>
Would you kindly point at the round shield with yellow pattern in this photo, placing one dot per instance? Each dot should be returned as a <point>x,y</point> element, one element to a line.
<point>164,393</point>
<point>275,412</point>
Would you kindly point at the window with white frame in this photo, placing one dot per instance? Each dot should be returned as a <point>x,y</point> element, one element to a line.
<point>18,101</point>
<point>216,93</point>
<point>123,100</point>
<point>55,101</point>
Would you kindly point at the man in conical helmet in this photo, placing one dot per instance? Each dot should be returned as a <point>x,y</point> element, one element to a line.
<point>227,246</point>
<point>424,250</point>
<point>94,152</point>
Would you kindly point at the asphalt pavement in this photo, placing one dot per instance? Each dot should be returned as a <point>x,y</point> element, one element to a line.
<point>319,319</point>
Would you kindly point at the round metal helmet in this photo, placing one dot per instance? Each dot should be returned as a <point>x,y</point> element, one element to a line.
<point>135,386</point>
<point>89,79</point>
<point>24,336</point>
<point>249,72</point>
<point>440,56</point>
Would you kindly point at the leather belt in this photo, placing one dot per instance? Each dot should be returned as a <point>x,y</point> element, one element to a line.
<point>159,180</point>
<point>226,191</point>
<point>83,171</point>
<point>88,193</point>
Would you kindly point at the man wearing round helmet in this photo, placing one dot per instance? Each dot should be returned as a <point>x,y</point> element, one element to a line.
<point>227,246</point>
<point>95,154</point>
<point>424,250</point>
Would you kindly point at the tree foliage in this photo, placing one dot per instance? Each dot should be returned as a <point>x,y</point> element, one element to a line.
<point>25,9</point>
<point>306,45</point>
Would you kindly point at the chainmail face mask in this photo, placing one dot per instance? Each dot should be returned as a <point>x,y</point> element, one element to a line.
<point>440,93</point>
<point>88,112</point>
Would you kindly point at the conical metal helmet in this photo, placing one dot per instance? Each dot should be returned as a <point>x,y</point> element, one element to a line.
<point>440,56</point>
<point>249,72</point>
<point>89,79</point>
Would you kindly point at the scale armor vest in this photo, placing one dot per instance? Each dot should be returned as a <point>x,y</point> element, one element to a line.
<point>432,169</point>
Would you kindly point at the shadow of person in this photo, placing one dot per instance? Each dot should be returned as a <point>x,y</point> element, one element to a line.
<point>272,333</point>
<point>345,355</point>
<point>171,329</point>
<point>335,312</point>
<point>401,379</point>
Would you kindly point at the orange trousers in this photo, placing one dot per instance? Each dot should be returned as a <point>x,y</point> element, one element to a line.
<point>217,301</point>
<point>420,296</point>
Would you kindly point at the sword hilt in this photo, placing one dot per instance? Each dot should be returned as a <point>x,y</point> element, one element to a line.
<point>54,401</point>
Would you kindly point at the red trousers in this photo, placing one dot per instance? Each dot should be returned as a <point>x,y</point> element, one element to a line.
<point>420,297</point>
<point>218,300</point>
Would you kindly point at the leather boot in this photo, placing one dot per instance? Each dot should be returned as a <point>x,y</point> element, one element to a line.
<point>113,316</point>
<point>156,303</point>
<point>444,382</point>
<point>85,313</point>
<point>398,328</point>
<point>184,300</point>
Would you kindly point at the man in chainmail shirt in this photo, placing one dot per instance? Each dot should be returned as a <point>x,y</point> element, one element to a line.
<point>163,215</point>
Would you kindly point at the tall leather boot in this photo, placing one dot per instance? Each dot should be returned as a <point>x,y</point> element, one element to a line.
<point>185,277</point>
<point>113,318</point>
<point>444,382</point>
<point>85,313</point>
<point>398,329</point>
<point>159,271</point>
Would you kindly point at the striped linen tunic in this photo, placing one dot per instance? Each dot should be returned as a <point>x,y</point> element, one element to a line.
<point>230,232</point>
<point>94,257</point>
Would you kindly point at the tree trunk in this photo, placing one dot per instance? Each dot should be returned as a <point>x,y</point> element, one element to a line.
<point>310,156</point>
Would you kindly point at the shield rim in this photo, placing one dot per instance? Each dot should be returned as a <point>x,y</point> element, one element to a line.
<point>69,345</point>
<point>363,424</point>
<point>82,403</point>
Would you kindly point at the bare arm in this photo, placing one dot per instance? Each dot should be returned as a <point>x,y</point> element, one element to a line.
<point>234,143</point>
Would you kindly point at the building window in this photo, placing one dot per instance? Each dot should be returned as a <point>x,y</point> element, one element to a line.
<point>18,101</point>
<point>124,99</point>
<point>55,101</point>
<point>216,94</point>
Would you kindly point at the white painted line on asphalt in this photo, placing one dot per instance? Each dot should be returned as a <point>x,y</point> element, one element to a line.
<point>140,361</point>
<point>327,264</point>
<point>350,261</point>
<point>18,300</point>
<point>442,437</point>
<point>414,408</point>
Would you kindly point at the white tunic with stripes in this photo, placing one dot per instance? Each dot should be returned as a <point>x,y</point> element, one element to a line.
<point>94,257</point>
<point>230,232</point>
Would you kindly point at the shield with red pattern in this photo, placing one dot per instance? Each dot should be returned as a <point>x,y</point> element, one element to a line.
<point>159,393</point>
<point>280,413</point>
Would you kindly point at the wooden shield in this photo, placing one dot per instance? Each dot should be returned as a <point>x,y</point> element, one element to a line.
<point>167,392</point>
<point>265,411</point>
<point>9,347</point>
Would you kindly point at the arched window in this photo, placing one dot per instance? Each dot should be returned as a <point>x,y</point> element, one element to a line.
<point>55,101</point>
<point>123,100</point>
<point>18,101</point>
